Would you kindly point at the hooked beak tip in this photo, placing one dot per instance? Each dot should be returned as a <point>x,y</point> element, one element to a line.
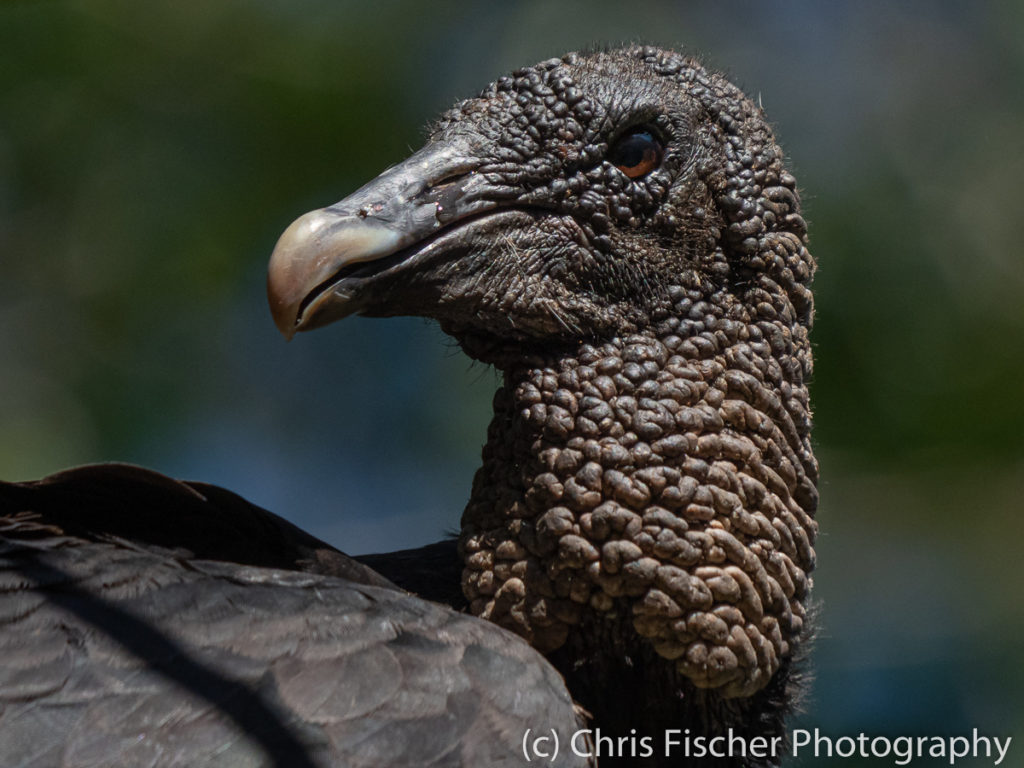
<point>310,254</point>
<point>282,317</point>
<point>288,274</point>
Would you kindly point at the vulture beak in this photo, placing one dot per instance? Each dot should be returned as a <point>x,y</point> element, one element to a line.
<point>325,256</point>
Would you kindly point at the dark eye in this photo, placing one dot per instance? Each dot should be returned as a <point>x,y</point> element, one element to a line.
<point>636,153</point>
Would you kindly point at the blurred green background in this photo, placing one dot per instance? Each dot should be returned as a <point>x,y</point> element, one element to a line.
<point>151,153</point>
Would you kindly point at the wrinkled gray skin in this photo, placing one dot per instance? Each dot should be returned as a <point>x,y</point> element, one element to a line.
<point>644,511</point>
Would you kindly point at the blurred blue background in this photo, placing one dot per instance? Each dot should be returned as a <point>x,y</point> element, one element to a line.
<point>151,153</point>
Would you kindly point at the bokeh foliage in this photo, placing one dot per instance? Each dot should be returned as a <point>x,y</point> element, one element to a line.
<point>150,154</point>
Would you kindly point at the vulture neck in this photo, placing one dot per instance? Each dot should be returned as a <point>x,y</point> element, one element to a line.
<point>608,460</point>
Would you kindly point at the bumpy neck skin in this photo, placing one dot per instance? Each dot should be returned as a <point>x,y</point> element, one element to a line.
<point>659,485</point>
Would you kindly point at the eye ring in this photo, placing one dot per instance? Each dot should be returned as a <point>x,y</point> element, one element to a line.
<point>637,152</point>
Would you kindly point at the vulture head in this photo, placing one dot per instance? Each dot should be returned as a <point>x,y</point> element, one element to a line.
<point>617,233</point>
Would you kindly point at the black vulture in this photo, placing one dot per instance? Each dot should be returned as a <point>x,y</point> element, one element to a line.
<point>617,234</point>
